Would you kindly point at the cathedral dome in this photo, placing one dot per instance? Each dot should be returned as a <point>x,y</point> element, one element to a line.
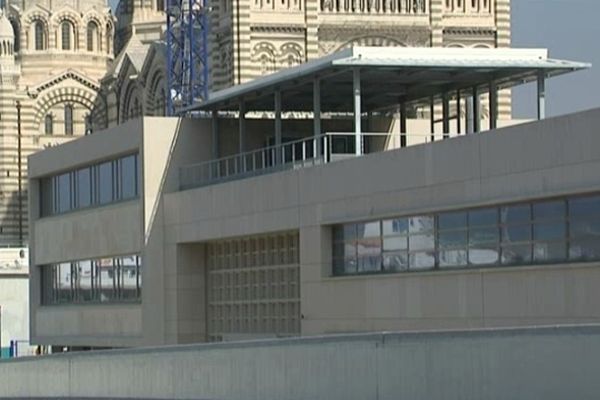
<point>6,29</point>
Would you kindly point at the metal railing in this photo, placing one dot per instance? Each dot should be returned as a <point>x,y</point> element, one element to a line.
<point>302,153</point>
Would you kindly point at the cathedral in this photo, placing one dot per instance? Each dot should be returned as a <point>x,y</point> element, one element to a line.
<point>72,67</point>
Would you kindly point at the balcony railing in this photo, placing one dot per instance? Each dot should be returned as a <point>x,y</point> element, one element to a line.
<point>303,153</point>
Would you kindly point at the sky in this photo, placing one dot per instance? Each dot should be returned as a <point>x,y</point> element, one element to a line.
<point>570,30</point>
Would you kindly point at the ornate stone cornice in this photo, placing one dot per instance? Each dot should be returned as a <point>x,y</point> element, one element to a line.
<point>34,91</point>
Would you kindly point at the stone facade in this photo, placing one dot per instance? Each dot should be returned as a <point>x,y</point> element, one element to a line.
<point>58,50</point>
<point>251,38</point>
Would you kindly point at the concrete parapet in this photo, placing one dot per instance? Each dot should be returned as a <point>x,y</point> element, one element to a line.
<point>534,363</point>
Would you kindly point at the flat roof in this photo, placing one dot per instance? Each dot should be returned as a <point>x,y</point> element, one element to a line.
<point>390,75</point>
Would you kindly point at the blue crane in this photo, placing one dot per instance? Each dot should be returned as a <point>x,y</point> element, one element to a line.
<point>187,53</point>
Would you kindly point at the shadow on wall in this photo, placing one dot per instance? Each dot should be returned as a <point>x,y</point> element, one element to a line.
<point>9,221</point>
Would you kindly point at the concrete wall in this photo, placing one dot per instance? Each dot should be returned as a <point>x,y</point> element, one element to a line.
<point>546,363</point>
<point>537,160</point>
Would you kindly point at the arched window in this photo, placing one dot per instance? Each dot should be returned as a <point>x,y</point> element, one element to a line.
<point>109,37</point>
<point>49,125</point>
<point>17,34</point>
<point>68,119</point>
<point>161,104</point>
<point>67,35</point>
<point>92,36</point>
<point>40,35</point>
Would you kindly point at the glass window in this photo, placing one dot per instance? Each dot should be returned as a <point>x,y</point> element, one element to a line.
<point>483,236</point>
<point>397,261</point>
<point>585,227</point>
<point>129,277</point>
<point>421,242</point>
<point>40,35</point>
<point>516,233</point>
<point>64,193</point>
<point>549,231</point>
<point>67,32</point>
<point>49,125</point>
<point>83,283</point>
<point>420,224</point>
<point>516,254</point>
<point>84,188</point>
<point>549,210</point>
<point>106,278</point>
<point>68,119</point>
<point>453,258</point>
<point>483,254</point>
<point>368,230</point>
<point>421,261</point>
<point>397,226</point>
<point>484,217</point>
<point>517,214</point>
<point>549,251</point>
<point>46,196</point>
<point>584,207</point>
<point>105,183</point>
<point>452,221</point>
<point>129,181</point>
<point>63,277</point>
<point>395,243</point>
<point>584,249</point>
<point>452,239</point>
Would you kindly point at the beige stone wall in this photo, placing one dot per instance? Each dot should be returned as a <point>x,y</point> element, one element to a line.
<point>46,80</point>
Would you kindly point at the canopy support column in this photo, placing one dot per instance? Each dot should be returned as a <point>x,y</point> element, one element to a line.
<point>242,127</point>
<point>278,134</point>
<point>476,111</point>
<point>458,113</point>
<point>317,117</point>
<point>493,88</point>
<point>469,115</point>
<point>215,134</point>
<point>541,95</point>
<point>432,117</point>
<point>402,124</point>
<point>446,115</point>
<point>357,111</point>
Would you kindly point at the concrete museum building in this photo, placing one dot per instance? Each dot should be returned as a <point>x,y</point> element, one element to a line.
<point>324,207</point>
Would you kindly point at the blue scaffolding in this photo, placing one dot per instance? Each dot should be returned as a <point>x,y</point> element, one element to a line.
<point>187,53</point>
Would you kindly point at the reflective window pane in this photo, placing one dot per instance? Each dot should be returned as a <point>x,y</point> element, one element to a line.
<point>421,261</point>
<point>129,272</point>
<point>420,224</point>
<point>549,210</point>
<point>83,282</point>
<point>64,193</point>
<point>549,251</point>
<point>516,233</point>
<point>584,249</point>
<point>483,255</point>
<point>584,206</point>
<point>344,250</point>
<point>452,239</point>
<point>369,264</point>
<point>517,214</point>
<point>549,231</point>
<point>105,268</point>
<point>453,258</point>
<point>105,183</point>
<point>84,188</point>
<point>448,221</point>
<point>516,254</point>
<point>368,247</point>
<point>395,243</point>
<point>397,226</point>
<point>368,230</point>
<point>421,242</point>
<point>584,228</point>
<point>128,171</point>
<point>395,261</point>
<point>483,236</point>
<point>485,217</point>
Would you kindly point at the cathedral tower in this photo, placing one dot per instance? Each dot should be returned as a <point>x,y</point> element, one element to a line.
<point>144,18</point>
